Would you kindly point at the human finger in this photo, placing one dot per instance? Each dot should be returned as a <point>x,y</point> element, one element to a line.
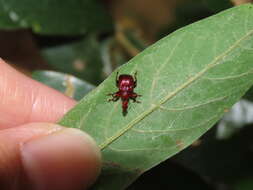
<point>24,100</point>
<point>41,156</point>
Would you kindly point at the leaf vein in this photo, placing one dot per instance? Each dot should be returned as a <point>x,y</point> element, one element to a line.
<point>172,130</point>
<point>230,77</point>
<point>193,106</point>
<point>191,80</point>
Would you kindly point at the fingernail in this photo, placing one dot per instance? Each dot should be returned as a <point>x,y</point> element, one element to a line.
<point>66,159</point>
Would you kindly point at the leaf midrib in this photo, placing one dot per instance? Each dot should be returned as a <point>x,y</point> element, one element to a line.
<point>214,63</point>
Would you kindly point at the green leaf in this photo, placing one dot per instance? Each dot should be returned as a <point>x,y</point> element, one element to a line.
<point>187,81</point>
<point>54,16</point>
<point>65,83</point>
<point>81,59</point>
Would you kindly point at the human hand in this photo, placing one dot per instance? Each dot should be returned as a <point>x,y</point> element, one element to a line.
<point>40,156</point>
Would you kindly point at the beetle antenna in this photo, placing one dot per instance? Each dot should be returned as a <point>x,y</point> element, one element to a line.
<point>117,75</point>
<point>135,76</point>
<point>117,78</point>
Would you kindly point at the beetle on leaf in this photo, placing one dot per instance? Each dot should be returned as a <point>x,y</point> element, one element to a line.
<point>126,84</point>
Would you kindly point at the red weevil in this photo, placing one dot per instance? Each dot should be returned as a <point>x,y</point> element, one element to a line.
<point>126,85</point>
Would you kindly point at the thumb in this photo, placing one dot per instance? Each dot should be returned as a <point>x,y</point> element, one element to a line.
<point>47,157</point>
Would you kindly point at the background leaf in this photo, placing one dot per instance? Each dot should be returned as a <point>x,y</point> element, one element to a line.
<point>81,59</point>
<point>54,16</point>
<point>188,80</point>
<point>65,83</point>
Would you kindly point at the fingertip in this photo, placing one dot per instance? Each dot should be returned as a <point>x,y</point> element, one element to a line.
<point>66,159</point>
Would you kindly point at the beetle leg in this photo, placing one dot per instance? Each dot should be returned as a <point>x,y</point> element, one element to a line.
<point>135,101</point>
<point>117,79</point>
<point>115,96</point>
<point>114,99</point>
<point>134,96</point>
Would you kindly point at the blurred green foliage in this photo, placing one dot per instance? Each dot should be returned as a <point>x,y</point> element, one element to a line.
<point>55,17</point>
<point>81,58</point>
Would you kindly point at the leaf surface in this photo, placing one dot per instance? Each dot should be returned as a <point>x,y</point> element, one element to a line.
<point>187,81</point>
<point>54,16</point>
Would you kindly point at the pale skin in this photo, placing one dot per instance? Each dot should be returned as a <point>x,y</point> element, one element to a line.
<point>35,153</point>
